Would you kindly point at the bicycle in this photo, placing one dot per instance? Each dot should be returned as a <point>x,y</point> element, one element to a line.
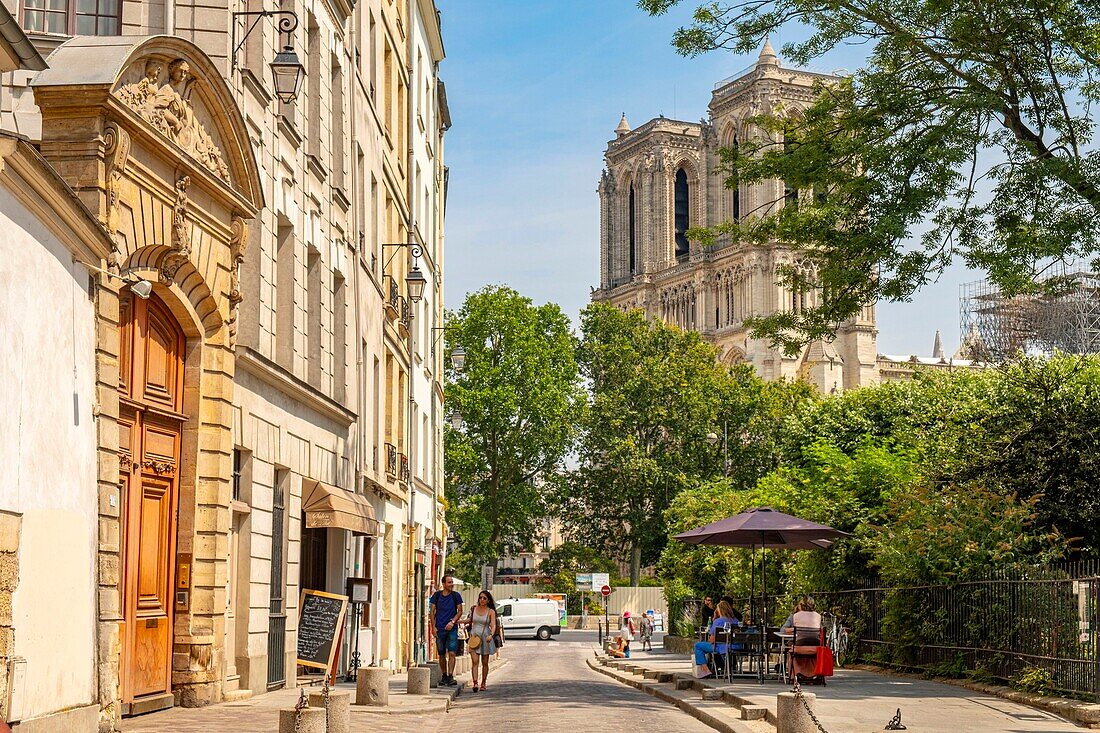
<point>836,637</point>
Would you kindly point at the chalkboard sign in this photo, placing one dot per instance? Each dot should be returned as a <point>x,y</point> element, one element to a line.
<point>320,617</point>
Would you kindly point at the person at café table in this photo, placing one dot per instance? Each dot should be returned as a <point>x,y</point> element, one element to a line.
<point>806,620</point>
<point>724,617</point>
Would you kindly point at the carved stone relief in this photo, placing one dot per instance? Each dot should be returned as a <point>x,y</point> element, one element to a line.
<point>238,246</point>
<point>117,150</point>
<point>166,108</point>
<point>180,250</point>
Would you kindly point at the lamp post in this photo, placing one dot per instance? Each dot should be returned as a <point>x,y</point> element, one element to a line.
<point>286,70</point>
<point>712,438</point>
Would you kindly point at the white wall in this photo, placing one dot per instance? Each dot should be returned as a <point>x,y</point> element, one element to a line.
<point>47,449</point>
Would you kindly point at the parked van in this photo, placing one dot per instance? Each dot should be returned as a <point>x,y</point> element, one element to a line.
<point>525,617</point>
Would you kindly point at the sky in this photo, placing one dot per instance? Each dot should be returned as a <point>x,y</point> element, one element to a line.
<point>535,89</point>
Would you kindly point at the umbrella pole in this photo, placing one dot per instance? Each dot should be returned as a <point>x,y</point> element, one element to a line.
<point>752,584</point>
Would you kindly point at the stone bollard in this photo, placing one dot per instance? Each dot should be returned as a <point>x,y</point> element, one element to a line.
<point>791,715</point>
<point>339,709</point>
<point>419,682</point>
<point>436,673</point>
<point>372,686</point>
<point>313,721</point>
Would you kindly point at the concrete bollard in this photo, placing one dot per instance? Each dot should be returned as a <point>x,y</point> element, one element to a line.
<point>791,715</point>
<point>435,671</point>
<point>313,721</point>
<point>372,686</point>
<point>419,681</point>
<point>339,709</point>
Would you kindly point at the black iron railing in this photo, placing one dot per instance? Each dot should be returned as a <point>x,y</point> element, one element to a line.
<point>405,473</point>
<point>1038,627</point>
<point>391,459</point>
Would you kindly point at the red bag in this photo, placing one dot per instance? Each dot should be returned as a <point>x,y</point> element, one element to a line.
<point>823,666</point>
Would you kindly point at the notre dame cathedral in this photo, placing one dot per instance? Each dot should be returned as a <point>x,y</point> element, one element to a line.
<point>663,178</point>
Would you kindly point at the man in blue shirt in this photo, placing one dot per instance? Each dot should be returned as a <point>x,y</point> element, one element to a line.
<point>446,610</point>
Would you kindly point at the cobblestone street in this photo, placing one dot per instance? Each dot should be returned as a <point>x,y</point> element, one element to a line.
<point>547,685</point>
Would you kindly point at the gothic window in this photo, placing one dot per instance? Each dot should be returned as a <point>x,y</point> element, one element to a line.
<point>734,187</point>
<point>632,229</point>
<point>73,17</point>
<point>682,218</point>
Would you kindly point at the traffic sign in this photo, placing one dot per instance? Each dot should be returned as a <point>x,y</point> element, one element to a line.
<point>605,591</point>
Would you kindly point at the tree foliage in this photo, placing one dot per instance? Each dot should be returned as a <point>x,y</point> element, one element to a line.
<point>653,400</point>
<point>518,394</point>
<point>971,123</point>
<point>941,479</point>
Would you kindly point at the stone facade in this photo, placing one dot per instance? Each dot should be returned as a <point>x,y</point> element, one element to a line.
<point>264,229</point>
<point>664,177</point>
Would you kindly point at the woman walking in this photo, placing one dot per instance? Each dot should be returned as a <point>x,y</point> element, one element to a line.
<point>483,627</point>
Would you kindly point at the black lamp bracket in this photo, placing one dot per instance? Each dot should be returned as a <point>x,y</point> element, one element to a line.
<point>288,23</point>
<point>414,249</point>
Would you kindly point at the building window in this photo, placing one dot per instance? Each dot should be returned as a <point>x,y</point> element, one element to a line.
<point>734,185</point>
<point>73,17</point>
<point>633,235</point>
<point>236,474</point>
<point>682,218</point>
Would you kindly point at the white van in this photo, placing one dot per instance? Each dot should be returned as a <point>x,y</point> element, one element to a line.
<point>524,617</point>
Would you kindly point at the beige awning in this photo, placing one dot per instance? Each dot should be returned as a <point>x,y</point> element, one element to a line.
<point>328,506</point>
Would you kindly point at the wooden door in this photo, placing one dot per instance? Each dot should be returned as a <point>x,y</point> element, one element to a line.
<point>150,428</point>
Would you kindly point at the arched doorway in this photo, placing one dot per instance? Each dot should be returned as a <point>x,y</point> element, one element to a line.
<point>150,423</point>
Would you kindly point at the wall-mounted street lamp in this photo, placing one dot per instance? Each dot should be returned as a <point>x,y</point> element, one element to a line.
<point>286,70</point>
<point>415,282</point>
<point>458,354</point>
<point>456,420</point>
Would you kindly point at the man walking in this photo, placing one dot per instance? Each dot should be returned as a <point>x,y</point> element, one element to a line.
<point>446,610</point>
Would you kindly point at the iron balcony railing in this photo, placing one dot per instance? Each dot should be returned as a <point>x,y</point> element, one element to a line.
<point>406,475</point>
<point>391,459</point>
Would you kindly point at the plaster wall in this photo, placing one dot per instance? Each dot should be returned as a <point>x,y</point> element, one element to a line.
<point>48,449</point>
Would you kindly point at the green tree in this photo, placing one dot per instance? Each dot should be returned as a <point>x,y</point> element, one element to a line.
<point>519,395</point>
<point>971,120</point>
<point>655,395</point>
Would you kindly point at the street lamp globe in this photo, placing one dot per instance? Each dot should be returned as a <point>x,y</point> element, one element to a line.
<point>456,420</point>
<point>288,74</point>
<point>416,282</point>
<point>712,438</point>
<point>458,358</point>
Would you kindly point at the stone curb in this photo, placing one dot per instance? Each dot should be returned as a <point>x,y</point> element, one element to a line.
<point>714,715</point>
<point>1084,714</point>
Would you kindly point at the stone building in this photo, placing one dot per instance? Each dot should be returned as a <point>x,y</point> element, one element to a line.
<point>240,349</point>
<point>664,177</point>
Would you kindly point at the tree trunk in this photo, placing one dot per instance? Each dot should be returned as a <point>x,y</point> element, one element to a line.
<point>635,564</point>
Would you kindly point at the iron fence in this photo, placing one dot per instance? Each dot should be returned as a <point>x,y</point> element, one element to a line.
<point>1039,627</point>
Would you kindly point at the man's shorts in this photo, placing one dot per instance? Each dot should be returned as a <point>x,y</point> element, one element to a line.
<point>446,641</point>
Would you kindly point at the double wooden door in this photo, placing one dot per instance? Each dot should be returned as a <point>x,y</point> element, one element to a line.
<point>150,429</point>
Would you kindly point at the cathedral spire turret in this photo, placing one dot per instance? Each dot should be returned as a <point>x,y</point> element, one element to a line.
<point>937,347</point>
<point>623,128</point>
<point>767,54</point>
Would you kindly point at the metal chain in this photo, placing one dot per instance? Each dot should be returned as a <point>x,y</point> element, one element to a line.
<point>298,708</point>
<point>895,722</point>
<point>797,690</point>
<point>324,694</point>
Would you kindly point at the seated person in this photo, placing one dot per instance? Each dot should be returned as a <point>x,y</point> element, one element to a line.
<point>618,647</point>
<point>724,618</point>
<point>806,621</point>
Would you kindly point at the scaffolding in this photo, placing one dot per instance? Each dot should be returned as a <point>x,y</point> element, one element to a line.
<point>996,328</point>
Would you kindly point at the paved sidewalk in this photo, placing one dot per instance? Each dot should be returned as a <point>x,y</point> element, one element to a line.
<point>260,714</point>
<point>858,701</point>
